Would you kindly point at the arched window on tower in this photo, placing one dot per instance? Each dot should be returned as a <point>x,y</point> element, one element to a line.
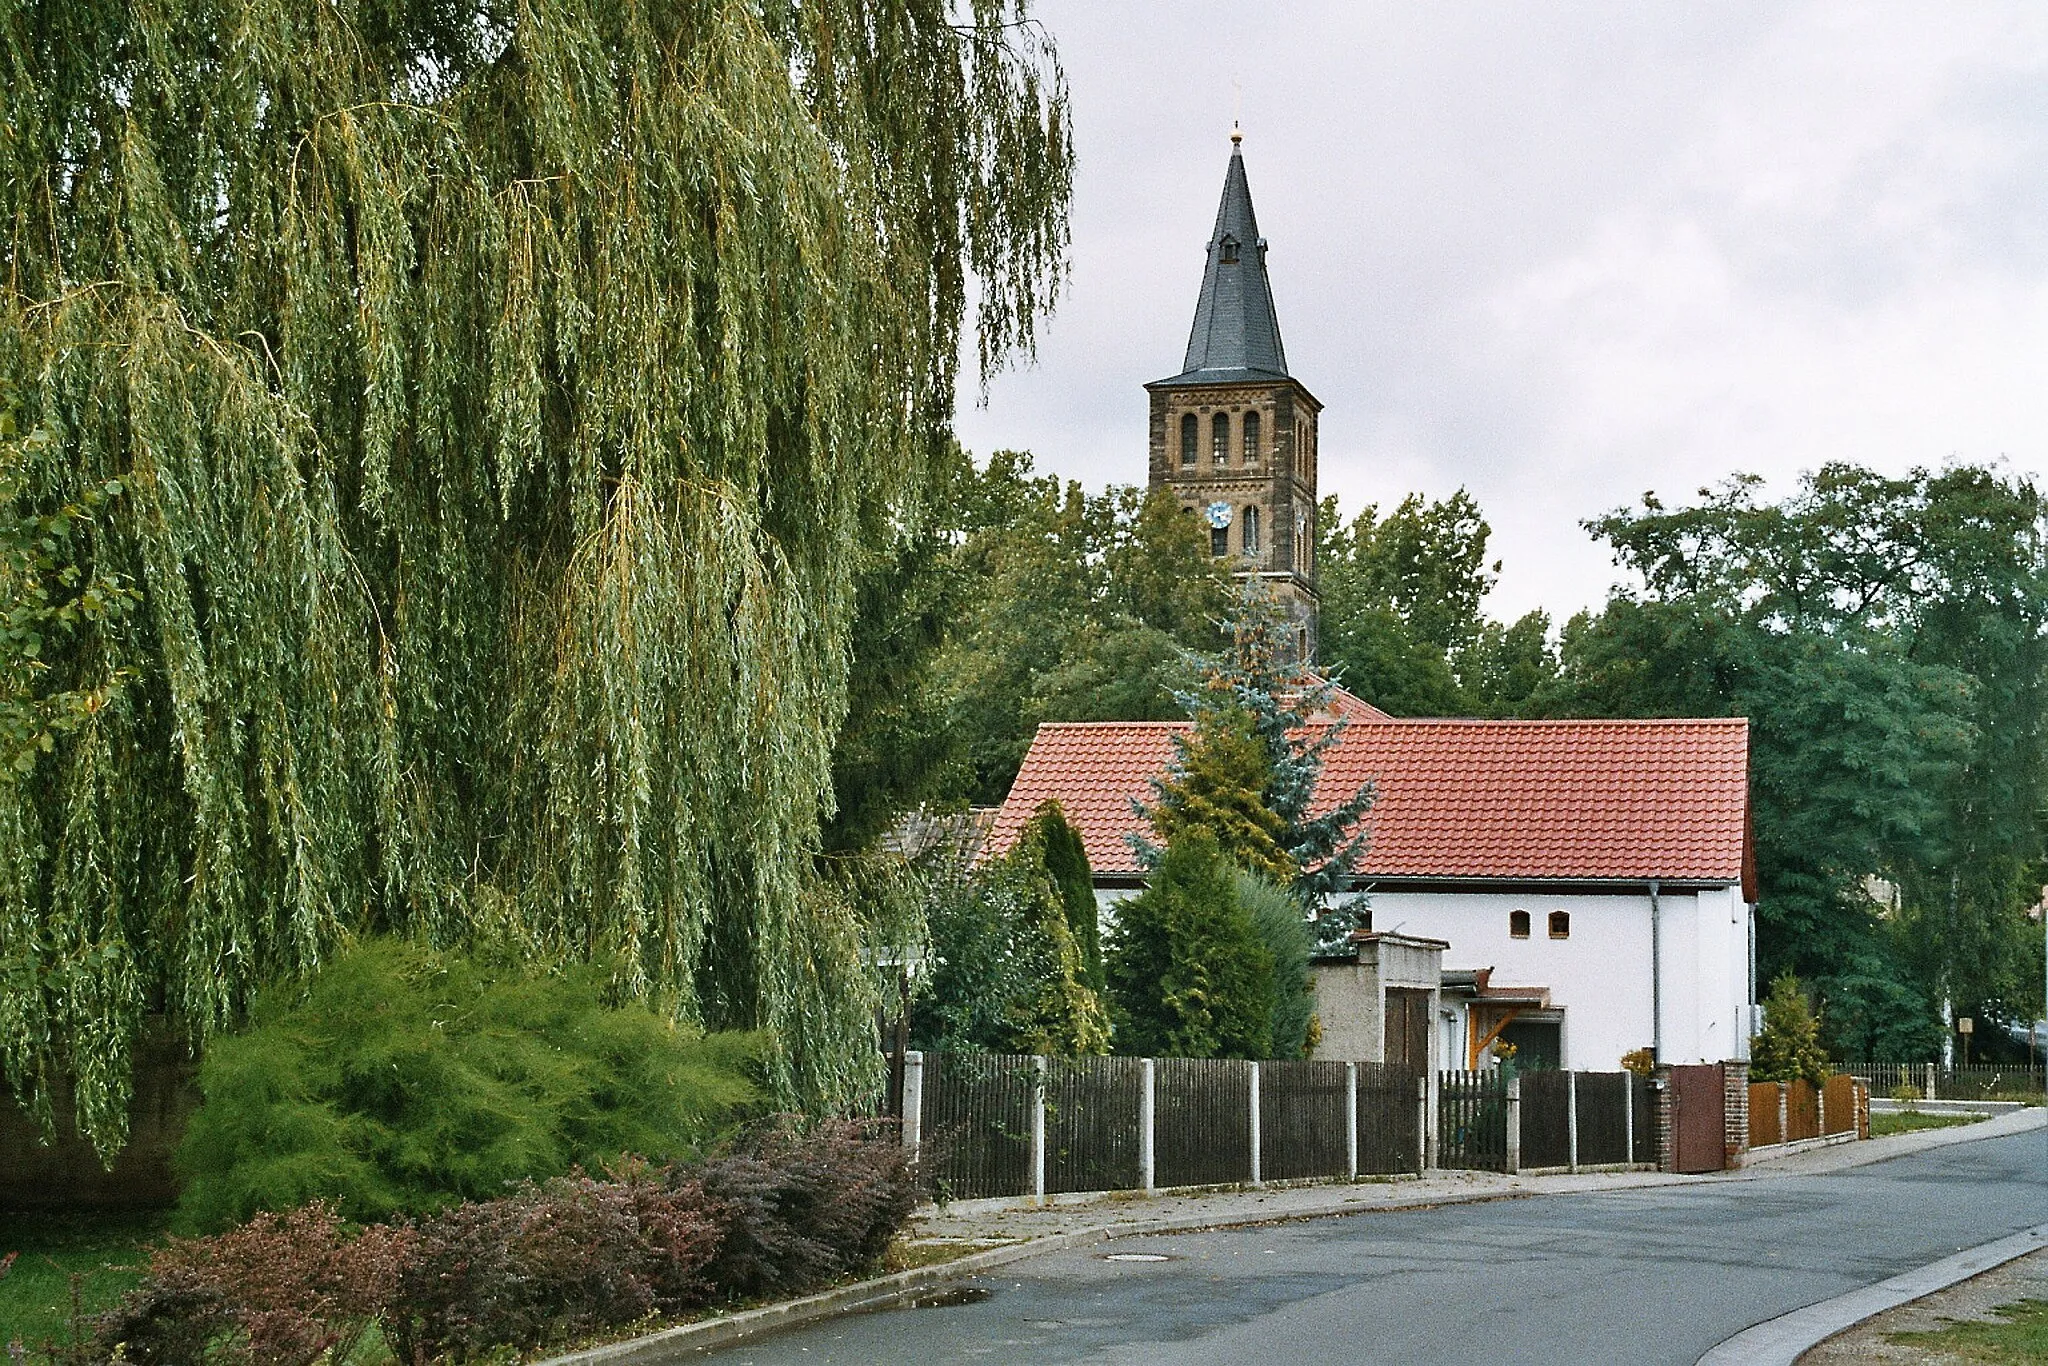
<point>1251,531</point>
<point>1219,439</point>
<point>1190,438</point>
<point>1251,438</point>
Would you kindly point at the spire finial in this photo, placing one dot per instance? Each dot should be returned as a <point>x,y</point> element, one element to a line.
<point>1236,111</point>
<point>1236,134</point>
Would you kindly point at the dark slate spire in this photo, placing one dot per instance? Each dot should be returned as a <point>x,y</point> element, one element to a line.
<point>1236,334</point>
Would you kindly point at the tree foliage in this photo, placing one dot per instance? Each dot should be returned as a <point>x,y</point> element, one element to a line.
<point>1887,637</point>
<point>1403,623</point>
<point>1007,975</point>
<point>1079,609</point>
<point>506,402</point>
<point>1189,974</point>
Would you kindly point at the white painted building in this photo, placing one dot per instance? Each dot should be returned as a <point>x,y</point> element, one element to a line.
<point>1592,880</point>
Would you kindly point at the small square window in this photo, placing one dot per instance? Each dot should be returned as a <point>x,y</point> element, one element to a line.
<point>1560,924</point>
<point>1518,924</point>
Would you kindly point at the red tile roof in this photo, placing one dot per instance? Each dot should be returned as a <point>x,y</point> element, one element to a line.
<point>1457,799</point>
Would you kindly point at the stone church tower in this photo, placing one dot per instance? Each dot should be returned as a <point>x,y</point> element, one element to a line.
<point>1233,434</point>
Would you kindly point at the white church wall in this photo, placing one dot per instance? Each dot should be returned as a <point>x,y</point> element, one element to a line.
<point>1599,975</point>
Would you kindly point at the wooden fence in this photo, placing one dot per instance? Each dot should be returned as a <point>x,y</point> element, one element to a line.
<point>1006,1125</point>
<point>990,1125</point>
<point>1796,1111</point>
<point>1544,1120</point>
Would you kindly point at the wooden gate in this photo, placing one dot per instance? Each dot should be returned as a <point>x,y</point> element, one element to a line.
<point>1698,1097</point>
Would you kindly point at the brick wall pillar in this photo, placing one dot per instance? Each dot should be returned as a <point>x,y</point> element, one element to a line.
<point>1735,1110</point>
<point>1667,1131</point>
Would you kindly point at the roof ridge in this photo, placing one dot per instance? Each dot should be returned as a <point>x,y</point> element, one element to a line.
<point>1551,722</point>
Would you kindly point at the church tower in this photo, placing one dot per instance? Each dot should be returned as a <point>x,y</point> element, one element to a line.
<point>1233,434</point>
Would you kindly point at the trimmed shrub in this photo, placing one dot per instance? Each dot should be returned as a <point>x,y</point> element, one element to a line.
<point>401,1080</point>
<point>282,1290</point>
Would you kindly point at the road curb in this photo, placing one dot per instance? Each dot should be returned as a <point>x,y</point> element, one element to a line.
<point>688,1339</point>
<point>1783,1340</point>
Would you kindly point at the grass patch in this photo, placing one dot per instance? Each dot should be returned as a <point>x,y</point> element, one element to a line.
<point>2020,1334</point>
<point>1911,1121</point>
<point>106,1252</point>
<point>905,1254</point>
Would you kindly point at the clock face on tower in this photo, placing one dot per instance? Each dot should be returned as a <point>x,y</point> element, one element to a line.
<point>1219,514</point>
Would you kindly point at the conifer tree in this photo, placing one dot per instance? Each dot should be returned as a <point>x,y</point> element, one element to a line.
<point>1066,862</point>
<point>1257,684</point>
<point>1789,1047</point>
<point>1189,976</point>
<point>1219,785</point>
<point>505,399</point>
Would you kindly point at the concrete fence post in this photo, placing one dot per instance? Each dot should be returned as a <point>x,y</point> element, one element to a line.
<point>1351,1120</point>
<point>1148,1162</point>
<point>913,1102</point>
<point>1628,1114</point>
<point>1433,1093</point>
<point>1820,1103</point>
<point>1514,1125</point>
<point>1425,1141</point>
<point>1038,1128</point>
<point>1784,1112</point>
<point>1928,1094</point>
<point>1571,1118</point>
<point>1255,1125</point>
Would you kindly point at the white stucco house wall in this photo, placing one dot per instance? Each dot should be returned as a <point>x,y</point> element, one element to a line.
<point>1593,881</point>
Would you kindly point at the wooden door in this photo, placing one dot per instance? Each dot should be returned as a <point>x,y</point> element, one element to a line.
<point>1406,1040</point>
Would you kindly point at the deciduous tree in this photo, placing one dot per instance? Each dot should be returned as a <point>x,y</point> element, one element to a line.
<point>507,400</point>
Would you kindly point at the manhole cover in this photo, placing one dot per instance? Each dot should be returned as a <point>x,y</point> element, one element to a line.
<point>1136,1257</point>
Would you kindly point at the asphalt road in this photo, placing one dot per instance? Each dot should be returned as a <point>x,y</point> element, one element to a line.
<point>1639,1276</point>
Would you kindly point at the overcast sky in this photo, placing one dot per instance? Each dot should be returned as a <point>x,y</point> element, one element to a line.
<point>1559,254</point>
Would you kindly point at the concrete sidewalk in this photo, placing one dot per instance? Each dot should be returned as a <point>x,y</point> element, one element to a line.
<point>1122,1214</point>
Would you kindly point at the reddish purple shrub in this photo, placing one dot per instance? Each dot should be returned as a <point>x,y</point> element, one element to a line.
<point>779,1213</point>
<point>551,1263</point>
<point>804,1209</point>
<point>278,1291</point>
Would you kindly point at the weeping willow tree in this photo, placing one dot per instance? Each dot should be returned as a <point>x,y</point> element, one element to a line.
<point>485,407</point>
